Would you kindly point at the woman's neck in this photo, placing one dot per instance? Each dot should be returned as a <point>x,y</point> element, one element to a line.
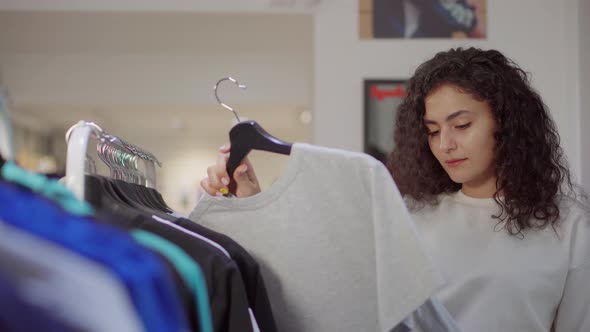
<point>481,189</point>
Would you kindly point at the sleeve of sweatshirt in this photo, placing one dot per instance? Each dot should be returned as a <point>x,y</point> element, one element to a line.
<point>573,313</point>
<point>406,277</point>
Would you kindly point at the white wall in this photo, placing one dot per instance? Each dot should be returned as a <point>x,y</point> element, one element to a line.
<point>584,35</point>
<point>540,35</point>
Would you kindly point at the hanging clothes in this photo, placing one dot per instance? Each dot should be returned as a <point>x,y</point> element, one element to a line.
<point>16,312</point>
<point>227,296</point>
<point>170,278</point>
<point>58,279</point>
<point>190,271</point>
<point>331,232</point>
<point>227,299</point>
<point>249,269</point>
<point>148,283</point>
<point>133,210</point>
<point>272,262</point>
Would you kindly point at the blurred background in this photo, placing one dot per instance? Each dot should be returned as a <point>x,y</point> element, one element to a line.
<point>144,70</point>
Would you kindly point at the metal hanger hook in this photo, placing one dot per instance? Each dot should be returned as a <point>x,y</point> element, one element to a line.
<point>102,152</point>
<point>229,108</point>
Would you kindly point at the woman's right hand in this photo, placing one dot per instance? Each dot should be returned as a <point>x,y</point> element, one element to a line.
<point>217,180</point>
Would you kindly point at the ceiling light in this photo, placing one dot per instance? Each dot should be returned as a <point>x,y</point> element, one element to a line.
<point>305,117</point>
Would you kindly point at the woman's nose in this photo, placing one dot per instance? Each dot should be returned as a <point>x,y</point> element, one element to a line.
<point>447,141</point>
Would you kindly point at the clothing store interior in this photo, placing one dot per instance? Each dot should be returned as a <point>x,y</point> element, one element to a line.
<point>294,165</point>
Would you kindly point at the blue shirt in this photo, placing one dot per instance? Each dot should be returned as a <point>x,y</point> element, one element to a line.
<point>149,284</point>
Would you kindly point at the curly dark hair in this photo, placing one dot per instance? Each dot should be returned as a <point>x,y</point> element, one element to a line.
<point>531,170</point>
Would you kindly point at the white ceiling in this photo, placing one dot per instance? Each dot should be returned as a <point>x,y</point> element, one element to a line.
<point>152,33</point>
<point>154,72</point>
<point>224,6</point>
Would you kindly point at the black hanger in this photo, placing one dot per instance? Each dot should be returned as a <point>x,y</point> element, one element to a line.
<point>247,136</point>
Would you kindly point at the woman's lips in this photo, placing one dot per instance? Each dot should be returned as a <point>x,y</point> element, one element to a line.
<point>455,162</point>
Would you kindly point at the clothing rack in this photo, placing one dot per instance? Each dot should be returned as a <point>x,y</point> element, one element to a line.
<point>119,155</point>
<point>6,135</point>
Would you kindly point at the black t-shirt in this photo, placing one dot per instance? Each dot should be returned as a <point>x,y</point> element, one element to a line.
<point>227,294</point>
<point>185,294</point>
<point>250,270</point>
<point>226,290</point>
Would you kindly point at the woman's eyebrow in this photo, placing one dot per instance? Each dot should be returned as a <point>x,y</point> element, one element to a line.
<point>450,117</point>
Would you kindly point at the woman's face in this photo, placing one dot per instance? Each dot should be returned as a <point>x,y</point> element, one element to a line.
<point>461,136</point>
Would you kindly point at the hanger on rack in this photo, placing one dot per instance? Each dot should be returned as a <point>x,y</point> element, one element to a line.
<point>126,187</point>
<point>247,136</point>
<point>135,189</point>
<point>119,164</point>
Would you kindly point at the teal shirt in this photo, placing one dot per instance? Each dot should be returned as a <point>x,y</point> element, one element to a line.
<point>46,187</point>
<point>189,270</point>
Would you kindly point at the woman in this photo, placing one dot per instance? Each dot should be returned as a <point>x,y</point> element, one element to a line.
<point>478,160</point>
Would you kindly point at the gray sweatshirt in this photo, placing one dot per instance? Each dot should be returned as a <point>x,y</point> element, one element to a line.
<point>335,242</point>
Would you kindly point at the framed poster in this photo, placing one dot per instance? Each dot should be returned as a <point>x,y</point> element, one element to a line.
<point>381,101</point>
<point>422,19</point>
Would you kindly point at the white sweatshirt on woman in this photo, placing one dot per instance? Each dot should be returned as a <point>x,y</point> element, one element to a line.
<point>500,282</point>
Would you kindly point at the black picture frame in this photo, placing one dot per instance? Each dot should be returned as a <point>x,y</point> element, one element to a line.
<point>381,100</point>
